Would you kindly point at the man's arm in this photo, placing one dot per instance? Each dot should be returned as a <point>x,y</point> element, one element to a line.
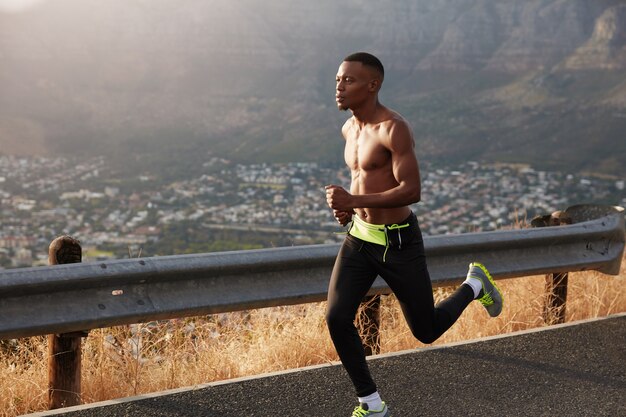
<point>343,217</point>
<point>405,169</point>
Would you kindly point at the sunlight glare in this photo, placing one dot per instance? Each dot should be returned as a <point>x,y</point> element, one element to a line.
<point>17,6</point>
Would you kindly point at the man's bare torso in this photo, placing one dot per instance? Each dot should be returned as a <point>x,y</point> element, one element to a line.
<point>369,158</point>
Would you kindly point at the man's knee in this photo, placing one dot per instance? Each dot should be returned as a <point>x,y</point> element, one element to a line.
<point>424,337</point>
<point>338,321</point>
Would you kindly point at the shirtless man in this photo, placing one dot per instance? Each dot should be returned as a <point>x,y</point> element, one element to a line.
<point>383,236</point>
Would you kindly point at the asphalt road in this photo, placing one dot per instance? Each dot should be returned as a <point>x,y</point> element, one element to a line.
<point>570,370</point>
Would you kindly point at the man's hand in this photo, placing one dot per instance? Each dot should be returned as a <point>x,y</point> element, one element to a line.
<point>338,198</point>
<point>343,217</point>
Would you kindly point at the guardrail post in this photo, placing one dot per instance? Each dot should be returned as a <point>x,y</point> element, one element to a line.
<point>368,323</point>
<point>556,284</point>
<point>64,350</point>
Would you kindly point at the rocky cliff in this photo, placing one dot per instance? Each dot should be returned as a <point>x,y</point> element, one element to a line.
<point>93,76</point>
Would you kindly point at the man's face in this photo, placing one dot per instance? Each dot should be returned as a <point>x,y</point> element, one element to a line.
<point>353,85</point>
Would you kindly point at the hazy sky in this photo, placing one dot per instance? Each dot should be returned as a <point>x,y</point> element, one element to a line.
<point>16,6</point>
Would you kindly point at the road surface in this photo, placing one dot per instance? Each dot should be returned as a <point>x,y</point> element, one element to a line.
<point>568,370</point>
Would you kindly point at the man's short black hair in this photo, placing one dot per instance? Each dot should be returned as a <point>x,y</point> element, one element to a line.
<point>367,59</point>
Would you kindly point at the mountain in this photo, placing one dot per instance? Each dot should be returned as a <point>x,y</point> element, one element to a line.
<point>157,82</point>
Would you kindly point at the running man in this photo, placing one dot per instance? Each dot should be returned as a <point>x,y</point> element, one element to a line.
<point>383,236</point>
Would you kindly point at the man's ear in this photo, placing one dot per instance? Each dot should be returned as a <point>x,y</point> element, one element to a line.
<point>374,85</point>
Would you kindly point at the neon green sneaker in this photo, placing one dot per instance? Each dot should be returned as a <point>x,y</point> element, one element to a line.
<point>490,296</point>
<point>363,411</point>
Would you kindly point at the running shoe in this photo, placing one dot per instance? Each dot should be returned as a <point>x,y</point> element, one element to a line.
<point>363,411</point>
<point>489,296</point>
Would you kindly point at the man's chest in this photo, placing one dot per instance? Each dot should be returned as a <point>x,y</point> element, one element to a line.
<point>365,152</point>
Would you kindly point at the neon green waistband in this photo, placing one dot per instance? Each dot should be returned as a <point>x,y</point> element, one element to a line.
<point>373,233</point>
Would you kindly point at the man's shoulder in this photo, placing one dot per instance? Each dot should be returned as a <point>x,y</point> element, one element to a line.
<point>346,126</point>
<point>394,121</point>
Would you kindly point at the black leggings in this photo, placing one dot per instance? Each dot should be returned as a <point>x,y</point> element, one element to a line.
<point>404,269</point>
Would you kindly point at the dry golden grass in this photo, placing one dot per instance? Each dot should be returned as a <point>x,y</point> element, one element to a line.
<point>129,360</point>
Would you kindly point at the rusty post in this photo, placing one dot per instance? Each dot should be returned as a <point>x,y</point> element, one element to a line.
<point>368,323</point>
<point>556,284</point>
<point>64,350</point>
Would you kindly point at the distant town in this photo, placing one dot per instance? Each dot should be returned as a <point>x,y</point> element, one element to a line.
<point>42,198</point>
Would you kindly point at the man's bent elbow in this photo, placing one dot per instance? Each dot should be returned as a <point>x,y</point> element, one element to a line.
<point>416,196</point>
<point>412,193</point>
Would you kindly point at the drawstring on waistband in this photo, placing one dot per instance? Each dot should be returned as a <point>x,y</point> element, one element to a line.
<point>393,227</point>
<point>376,233</point>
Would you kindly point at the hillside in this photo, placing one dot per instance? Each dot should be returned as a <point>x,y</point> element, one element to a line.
<point>152,83</point>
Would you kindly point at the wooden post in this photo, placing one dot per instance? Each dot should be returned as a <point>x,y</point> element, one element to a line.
<point>64,350</point>
<point>556,284</point>
<point>368,323</point>
<point>556,297</point>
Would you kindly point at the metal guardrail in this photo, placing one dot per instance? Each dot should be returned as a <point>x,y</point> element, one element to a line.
<point>74,297</point>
